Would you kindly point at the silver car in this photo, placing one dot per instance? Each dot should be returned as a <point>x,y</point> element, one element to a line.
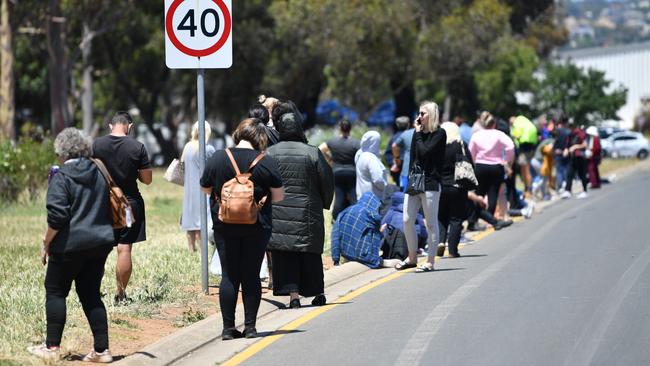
<point>626,144</point>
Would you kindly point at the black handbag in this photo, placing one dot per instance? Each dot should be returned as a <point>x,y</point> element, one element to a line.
<point>416,177</point>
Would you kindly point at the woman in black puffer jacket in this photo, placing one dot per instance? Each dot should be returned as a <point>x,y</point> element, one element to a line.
<point>298,225</point>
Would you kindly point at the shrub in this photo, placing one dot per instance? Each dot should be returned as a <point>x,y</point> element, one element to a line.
<point>24,166</point>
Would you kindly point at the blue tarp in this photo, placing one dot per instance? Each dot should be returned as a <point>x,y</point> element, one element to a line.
<point>384,115</point>
<point>331,111</point>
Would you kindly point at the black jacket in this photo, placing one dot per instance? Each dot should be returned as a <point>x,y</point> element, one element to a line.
<point>429,148</point>
<point>453,153</point>
<point>298,224</point>
<point>78,207</point>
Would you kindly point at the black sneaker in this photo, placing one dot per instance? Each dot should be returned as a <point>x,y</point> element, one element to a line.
<point>250,332</point>
<point>476,227</point>
<point>319,300</point>
<point>501,224</point>
<point>230,333</point>
<point>294,304</point>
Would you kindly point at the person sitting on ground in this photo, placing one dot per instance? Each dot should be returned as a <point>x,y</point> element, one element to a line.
<point>477,210</point>
<point>78,240</point>
<point>298,225</point>
<point>371,172</point>
<point>394,218</point>
<point>355,234</point>
<point>241,246</point>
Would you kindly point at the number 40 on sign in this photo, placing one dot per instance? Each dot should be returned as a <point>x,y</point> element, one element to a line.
<point>198,34</point>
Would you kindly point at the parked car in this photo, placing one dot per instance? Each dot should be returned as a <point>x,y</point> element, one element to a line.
<point>605,132</point>
<point>626,144</point>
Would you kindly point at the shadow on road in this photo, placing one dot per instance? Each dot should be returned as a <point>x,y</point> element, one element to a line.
<point>467,256</point>
<point>278,332</point>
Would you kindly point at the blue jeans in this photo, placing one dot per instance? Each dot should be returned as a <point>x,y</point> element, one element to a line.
<point>345,194</point>
<point>561,167</point>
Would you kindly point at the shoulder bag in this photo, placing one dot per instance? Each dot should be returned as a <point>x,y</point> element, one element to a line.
<point>464,172</point>
<point>175,172</point>
<point>121,211</point>
<point>416,178</point>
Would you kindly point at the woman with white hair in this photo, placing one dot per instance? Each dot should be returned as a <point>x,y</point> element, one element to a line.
<point>191,217</point>
<point>453,198</point>
<point>427,151</point>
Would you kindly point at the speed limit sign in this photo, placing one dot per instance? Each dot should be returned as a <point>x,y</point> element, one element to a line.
<point>198,34</point>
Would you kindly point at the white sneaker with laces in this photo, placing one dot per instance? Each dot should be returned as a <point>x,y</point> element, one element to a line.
<point>582,195</point>
<point>565,195</point>
<point>529,210</point>
<point>103,357</point>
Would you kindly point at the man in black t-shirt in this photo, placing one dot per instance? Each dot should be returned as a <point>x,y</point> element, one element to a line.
<point>127,161</point>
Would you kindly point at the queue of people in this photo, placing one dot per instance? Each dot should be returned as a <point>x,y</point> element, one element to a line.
<point>267,194</point>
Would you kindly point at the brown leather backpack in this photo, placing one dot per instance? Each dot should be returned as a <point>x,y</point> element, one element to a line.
<point>121,211</point>
<point>237,200</point>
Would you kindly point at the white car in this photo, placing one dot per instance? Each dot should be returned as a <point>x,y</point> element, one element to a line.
<point>626,144</point>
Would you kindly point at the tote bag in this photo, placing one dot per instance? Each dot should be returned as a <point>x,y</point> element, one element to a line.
<point>176,172</point>
<point>464,172</point>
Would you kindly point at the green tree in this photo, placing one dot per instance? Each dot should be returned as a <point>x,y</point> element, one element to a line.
<point>511,71</point>
<point>582,94</point>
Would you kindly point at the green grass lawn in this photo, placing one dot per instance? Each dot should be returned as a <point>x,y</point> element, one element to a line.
<point>165,273</point>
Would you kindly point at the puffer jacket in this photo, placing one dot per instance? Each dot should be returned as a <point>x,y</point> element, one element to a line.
<point>298,224</point>
<point>395,214</point>
<point>78,207</point>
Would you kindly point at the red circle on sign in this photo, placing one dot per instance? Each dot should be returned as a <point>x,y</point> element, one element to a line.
<point>194,52</point>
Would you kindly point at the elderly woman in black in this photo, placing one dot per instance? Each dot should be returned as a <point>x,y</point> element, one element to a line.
<point>298,228</point>
<point>79,237</point>
<point>241,246</point>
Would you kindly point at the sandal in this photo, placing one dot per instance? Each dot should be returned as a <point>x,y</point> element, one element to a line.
<point>424,267</point>
<point>404,265</point>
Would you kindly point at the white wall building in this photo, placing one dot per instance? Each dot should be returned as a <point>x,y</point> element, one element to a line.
<point>627,65</point>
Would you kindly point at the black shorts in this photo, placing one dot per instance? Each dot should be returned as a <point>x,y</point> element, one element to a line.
<point>137,232</point>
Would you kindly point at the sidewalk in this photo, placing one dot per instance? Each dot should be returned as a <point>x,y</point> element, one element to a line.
<point>200,343</point>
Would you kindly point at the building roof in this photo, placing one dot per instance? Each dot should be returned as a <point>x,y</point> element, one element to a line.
<point>604,51</point>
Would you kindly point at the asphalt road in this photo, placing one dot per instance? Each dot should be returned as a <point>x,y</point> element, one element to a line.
<point>571,286</point>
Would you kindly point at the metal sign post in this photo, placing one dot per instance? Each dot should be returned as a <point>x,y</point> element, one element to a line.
<point>198,35</point>
<point>200,101</point>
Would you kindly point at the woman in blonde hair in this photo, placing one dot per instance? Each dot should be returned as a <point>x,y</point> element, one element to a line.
<point>191,218</point>
<point>427,151</point>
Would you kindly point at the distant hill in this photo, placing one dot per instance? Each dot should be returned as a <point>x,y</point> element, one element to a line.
<point>602,23</point>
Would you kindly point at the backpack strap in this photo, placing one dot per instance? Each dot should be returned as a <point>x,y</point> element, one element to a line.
<point>257,160</point>
<point>102,169</point>
<point>232,161</point>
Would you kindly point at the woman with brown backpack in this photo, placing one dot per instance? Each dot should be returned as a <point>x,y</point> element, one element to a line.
<point>242,230</point>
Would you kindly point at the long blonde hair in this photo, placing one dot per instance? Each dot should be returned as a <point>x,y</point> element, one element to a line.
<point>452,131</point>
<point>195,131</point>
<point>433,122</point>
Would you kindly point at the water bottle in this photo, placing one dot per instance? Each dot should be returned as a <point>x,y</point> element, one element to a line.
<point>53,170</point>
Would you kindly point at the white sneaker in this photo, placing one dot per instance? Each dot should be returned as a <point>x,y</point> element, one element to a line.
<point>42,351</point>
<point>529,210</point>
<point>94,356</point>
<point>565,195</point>
<point>582,195</point>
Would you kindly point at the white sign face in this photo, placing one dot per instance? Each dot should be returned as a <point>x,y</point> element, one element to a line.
<point>198,34</point>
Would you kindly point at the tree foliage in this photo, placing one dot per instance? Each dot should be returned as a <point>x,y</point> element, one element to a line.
<point>582,94</point>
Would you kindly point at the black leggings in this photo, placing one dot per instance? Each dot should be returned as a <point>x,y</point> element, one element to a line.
<point>451,214</point>
<point>489,178</point>
<point>577,165</point>
<point>345,193</point>
<point>241,258</point>
<point>86,269</point>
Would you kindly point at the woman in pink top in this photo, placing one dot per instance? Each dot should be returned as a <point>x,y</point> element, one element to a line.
<point>491,149</point>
